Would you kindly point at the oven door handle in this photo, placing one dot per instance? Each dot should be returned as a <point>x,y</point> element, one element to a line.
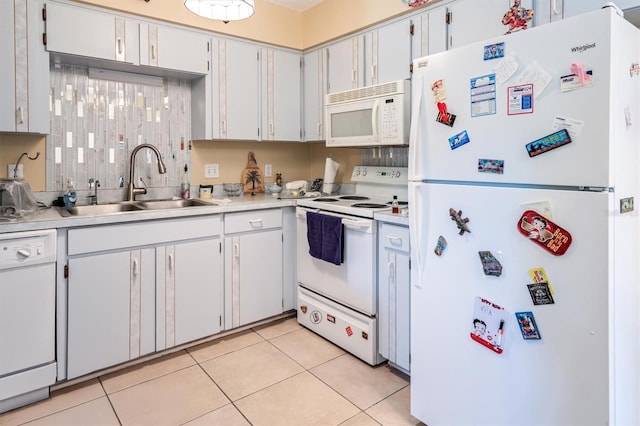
<point>356,223</point>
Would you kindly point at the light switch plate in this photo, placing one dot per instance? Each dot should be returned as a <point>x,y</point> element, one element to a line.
<point>268,170</point>
<point>19,174</point>
<point>211,171</point>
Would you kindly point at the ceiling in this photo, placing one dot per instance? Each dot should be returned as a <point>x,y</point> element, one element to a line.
<point>299,5</point>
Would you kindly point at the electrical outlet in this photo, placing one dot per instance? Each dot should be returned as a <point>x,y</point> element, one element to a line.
<point>211,171</point>
<point>268,170</point>
<point>10,171</point>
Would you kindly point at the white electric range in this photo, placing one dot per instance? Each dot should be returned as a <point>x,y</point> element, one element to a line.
<point>339,300</point>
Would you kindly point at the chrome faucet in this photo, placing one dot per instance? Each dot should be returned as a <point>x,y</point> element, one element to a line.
<point>93,199</point>
<point>132,190</point>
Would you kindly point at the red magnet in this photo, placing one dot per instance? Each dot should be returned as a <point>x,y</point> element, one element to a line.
<point>544,232</point>
<point>443,115</point>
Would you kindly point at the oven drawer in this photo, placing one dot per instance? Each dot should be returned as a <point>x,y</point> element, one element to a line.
<point>393,237</point>
<point>252,221</point>
<point>352,331</point>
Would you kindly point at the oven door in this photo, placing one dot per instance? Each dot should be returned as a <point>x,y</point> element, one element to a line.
<point>353,283</point>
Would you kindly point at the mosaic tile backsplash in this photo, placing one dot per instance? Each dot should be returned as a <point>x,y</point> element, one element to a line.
<point>95,124</point>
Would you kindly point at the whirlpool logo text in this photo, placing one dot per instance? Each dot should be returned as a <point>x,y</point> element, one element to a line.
<point>580,49</point>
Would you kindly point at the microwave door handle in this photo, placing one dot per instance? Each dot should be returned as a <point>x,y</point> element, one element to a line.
<point>374,119</point>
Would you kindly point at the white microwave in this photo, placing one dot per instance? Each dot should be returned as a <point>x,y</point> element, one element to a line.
<point>369,116</point>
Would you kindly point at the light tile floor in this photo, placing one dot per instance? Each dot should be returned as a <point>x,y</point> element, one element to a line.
<point>275,374</point>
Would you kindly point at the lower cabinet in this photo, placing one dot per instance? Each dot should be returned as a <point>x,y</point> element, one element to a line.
<point>111,312</point>
<point>394,298</point>
<point>189,292</point>
<point>253,266</point>
<point>137,288</point>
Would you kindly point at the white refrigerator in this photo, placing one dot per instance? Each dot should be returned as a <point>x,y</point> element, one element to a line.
<point>524,236</point>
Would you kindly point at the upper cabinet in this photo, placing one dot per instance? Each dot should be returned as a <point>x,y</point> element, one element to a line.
<point>577,7</point>
<point>345,64</point>
<point>281,80</point>
<point>314,89</point>
<point>258,91</point>
<point>388,53</point>
<point>430,32</point>
<point>238,90</point>
<point>24,68</point>
<point>471,21</point>
<point>174,48</point>
<point>92,33</point>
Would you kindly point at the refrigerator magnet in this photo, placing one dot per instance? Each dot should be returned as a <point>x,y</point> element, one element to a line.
<point>528,326</point>
<point>458,140</point>
<point>490,265</point>
<point>544,232</point>
<point>494,51</point>
<point>634,69</point>
<point>547,143</point>
<point>444,116</point>
<point>438,91</point>
<point>538,275</point>
<point>488,324</point>
<point>540,294</point>
<point>461,223</point>
<point>487,165</point>
<point>483,95</point>
<point>520,99</point>
<point>440,246</point>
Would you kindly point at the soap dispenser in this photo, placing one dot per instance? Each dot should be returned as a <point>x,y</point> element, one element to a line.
<point>70,195</point>
<point>185,187</point>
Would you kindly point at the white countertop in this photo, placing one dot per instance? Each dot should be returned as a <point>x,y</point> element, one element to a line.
<point>50,217</point>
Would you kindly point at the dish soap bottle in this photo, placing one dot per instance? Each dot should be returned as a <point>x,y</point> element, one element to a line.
<point>395,209</point>
<point>70,196</point>
<point>185,187</point>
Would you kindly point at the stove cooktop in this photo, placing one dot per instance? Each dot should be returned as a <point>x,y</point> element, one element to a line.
<point>356,205</point>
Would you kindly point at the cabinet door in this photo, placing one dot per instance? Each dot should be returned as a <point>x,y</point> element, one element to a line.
<point>239,90</point>
<point>345,67</point>
<point>182,50</point>
<point>193,291</point>
<point>7,67</point>
<point>388,53</point>
<point>90,33</point>
<point>547,11</point>
<point>394,294</point>
<point>110,310</point>
<point>314,89</point>
<point>281,95</point>
<point>430,34</point>
<point>25,68</point>
<point>466,15</point>
<point>255,280</point>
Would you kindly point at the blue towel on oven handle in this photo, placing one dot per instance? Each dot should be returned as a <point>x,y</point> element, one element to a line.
<point>324,235</point>
<point>314,234</point>
<point>332,239</point>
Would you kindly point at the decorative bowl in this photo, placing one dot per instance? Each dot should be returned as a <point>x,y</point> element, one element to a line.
<point>274,188</point>
<point>232,189</point>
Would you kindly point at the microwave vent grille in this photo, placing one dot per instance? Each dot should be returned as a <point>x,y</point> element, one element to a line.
<point>390,88</point>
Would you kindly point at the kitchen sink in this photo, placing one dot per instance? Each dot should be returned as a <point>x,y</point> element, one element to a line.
<point>171,204</point>
<point>129,206</point>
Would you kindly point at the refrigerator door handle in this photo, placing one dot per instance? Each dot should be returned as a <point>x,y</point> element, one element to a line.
<point>414,130</point>
<point>415,233</point>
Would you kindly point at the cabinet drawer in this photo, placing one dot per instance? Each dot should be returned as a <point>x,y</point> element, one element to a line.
<point>394,237</point>
<point>252,221</point>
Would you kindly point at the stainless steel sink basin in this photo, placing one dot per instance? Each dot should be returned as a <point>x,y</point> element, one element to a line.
<point>99,209</point>
<point>171,204</point>
<point>129,206</point>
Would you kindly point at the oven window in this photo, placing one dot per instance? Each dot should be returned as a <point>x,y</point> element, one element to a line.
<point>351,123</point>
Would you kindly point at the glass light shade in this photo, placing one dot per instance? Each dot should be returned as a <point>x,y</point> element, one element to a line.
<point>222,10</point>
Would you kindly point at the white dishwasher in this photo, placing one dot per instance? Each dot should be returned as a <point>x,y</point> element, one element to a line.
<point>27,316</point>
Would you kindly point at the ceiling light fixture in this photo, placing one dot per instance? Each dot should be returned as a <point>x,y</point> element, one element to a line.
<point>222,10</point>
